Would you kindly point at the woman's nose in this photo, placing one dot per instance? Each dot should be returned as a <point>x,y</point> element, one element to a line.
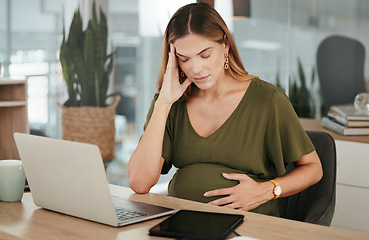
<point>196,66</point>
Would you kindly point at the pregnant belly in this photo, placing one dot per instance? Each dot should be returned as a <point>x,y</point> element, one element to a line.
<point>192,181</point>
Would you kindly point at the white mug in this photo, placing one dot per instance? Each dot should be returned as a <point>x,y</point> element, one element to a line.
<point>12,180</point>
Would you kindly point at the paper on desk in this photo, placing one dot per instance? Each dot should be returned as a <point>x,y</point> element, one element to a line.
<point>243,238</point>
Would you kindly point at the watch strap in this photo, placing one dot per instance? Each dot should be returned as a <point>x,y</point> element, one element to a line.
<point>275,185</point>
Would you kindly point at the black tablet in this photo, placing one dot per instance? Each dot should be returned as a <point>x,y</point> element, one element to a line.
<point>189,224</point>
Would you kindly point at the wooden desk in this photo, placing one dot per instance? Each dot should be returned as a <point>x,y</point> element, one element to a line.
<point>352,188</point>
<point>315,125</point>
<point>26,221</point>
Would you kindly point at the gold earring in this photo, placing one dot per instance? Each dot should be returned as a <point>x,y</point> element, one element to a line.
<point>182,74</point>
<point>226,60</point>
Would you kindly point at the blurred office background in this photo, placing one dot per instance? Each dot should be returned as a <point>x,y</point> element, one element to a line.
<point>271,35</point>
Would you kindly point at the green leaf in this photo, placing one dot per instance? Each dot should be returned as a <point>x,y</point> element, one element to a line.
<point>89,53</point>
<point>94,15</point>
<point>301,74</point>
<point>68,70</point>
<point>103,26</point>
<point>312,76</point>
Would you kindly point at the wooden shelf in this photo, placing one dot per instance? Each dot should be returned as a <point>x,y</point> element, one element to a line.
<point>13,115</point>
<point>7,81</point>
<point>13,103</point>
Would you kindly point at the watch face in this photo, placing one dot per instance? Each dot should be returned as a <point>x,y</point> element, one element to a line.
<point>277,190</point>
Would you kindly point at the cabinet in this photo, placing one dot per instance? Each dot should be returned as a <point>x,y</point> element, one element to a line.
<point>352,187</point>
<point>13,115</point>
<point>352,191</point>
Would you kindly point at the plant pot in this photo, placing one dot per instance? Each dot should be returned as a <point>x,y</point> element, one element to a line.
<point>93,125</point>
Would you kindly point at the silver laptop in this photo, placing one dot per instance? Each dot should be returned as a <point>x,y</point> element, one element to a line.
<point>69,177</point>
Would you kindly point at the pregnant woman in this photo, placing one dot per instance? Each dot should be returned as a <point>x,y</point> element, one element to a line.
<point>229,133</point>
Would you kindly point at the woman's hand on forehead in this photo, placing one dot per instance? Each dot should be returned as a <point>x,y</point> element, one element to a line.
<point>172,89</point>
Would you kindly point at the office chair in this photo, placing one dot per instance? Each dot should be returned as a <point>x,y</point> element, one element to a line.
<point>315,204</point>
<point>340,63</point>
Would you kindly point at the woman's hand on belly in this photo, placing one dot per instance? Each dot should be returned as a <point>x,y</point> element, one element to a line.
<point>246,195</point>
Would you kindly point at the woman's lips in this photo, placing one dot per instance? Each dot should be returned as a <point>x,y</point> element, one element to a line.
<point>200,79</point>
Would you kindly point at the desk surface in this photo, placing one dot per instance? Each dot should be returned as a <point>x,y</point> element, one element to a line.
<point>24,220</point>
<point>315,125</point>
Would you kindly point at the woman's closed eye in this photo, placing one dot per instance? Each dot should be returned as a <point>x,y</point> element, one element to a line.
<point>186,59</point>
<point>183,59</point>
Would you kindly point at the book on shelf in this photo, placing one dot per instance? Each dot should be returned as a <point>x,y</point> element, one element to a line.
<point>344,121</point>
<point>342,129</point>
<point>350,113</point>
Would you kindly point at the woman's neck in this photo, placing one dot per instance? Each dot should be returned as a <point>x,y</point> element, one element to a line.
<point>227,85</point>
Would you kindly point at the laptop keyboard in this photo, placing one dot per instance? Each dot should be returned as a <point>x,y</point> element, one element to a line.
<point>127,214</point>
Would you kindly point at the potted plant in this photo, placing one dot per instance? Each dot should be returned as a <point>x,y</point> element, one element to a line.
<point>301,97</point>
<point>86,66</point>
<point>304,100</point>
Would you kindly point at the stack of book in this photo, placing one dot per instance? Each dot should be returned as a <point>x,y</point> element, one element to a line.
<point>346,120</point>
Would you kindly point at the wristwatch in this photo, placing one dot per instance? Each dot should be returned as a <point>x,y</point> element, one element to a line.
<point>277,189</point>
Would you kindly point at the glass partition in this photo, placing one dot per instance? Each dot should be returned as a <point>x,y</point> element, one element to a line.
<point>29,33</point>
<point>4,37</point>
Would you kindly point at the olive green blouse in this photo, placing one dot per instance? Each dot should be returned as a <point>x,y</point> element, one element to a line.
<point>260,136</point>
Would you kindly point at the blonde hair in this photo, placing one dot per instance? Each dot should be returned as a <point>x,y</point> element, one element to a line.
<point>204,20</point>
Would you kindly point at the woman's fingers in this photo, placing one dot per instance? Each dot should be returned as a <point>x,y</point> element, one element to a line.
<point>172,89</point>
<point>172,60</point>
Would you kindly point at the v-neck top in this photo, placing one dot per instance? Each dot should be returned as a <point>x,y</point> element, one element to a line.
<point>188,120</point>
<point>261,135</point>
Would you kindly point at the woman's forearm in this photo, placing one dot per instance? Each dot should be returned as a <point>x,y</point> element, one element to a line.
<point>307,172</point>
<point>145,164</point>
